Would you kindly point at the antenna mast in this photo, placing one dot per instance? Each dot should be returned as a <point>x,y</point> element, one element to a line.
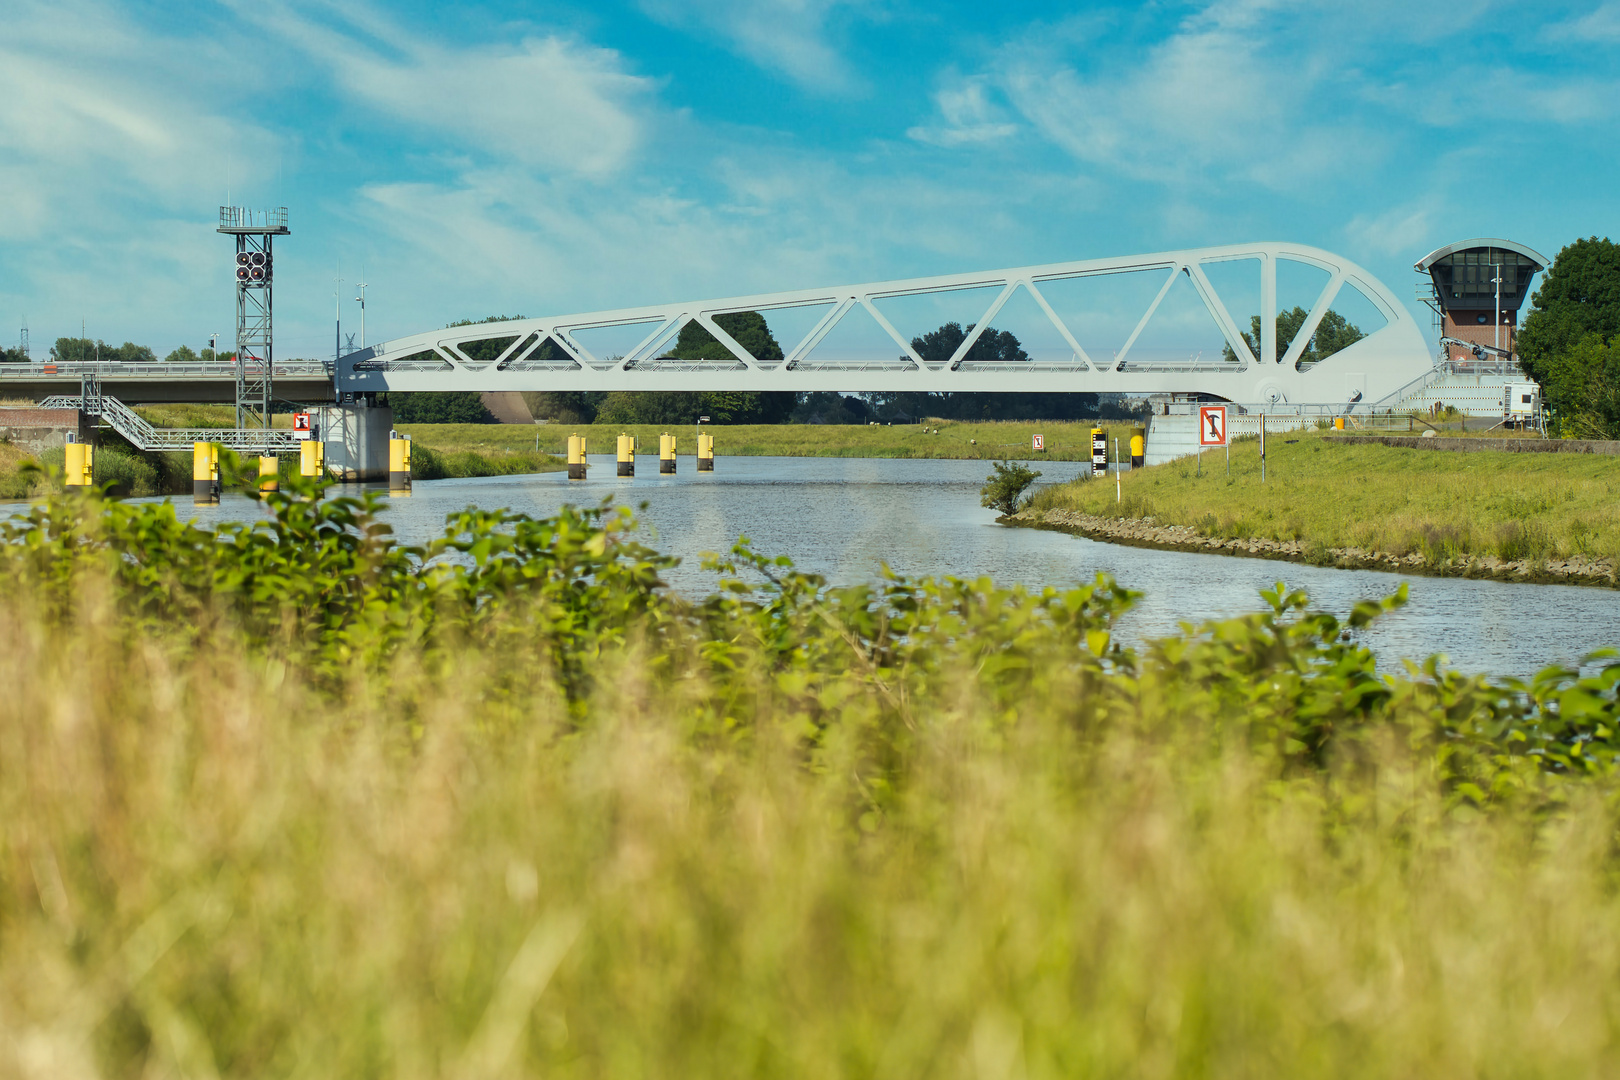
<point>337,315</point>
<point>362,299</point>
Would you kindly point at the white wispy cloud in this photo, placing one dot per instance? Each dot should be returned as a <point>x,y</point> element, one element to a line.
<point>547,101</point>
<point>1392,232</point>
<point>554,245</point>
<point>1207,102</point>
<point>1601,25</point>
<point>967,117</point>
<point>106,119</point>
<point>789,38</point>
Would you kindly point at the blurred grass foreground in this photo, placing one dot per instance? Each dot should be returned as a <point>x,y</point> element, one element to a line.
<point>290,799</point>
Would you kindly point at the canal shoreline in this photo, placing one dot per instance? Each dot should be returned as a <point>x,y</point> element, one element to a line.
<point>1147,533</point>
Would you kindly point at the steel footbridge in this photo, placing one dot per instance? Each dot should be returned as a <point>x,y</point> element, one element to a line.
<point>554,353</point>
<point>557,353</point>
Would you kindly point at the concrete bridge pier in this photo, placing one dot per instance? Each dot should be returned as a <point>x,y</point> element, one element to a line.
<point>356,440</point>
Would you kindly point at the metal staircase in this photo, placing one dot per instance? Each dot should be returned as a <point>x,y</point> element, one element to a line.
<point>122,419</point>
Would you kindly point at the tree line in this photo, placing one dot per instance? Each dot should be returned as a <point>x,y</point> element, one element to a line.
<point>75,350</point>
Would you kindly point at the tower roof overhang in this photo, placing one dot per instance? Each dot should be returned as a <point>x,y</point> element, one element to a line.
<point>1481,242</point>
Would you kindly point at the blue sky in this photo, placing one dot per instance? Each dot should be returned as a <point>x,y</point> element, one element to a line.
<point>555,157</point>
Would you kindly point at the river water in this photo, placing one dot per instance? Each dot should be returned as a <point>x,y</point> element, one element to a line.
<point>844,518</point>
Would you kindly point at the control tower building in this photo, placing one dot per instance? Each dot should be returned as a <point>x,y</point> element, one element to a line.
<point>1476,288</point>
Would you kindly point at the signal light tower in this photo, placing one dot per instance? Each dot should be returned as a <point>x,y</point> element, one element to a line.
<point>255,342</point>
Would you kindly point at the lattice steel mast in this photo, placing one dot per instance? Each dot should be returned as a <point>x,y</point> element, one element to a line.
<point>255,340</point>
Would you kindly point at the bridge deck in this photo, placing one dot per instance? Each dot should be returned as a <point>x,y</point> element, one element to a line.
<point>140,384</point>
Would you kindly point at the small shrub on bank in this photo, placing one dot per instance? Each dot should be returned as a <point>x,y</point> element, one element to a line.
<point>1005,487</point>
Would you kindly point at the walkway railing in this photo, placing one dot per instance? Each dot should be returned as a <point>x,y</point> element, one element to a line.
<point>107,369</point>
<point>143,436</point>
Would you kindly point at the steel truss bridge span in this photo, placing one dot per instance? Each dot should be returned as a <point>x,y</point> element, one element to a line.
<point>552,354</point>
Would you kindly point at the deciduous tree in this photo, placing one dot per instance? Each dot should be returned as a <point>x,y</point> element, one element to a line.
<point>1566,341</point>
<point>1333,333</point>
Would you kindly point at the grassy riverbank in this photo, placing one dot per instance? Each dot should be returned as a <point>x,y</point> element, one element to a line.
<point>1446,508</point>
<point>432,463</point>
<point>285,801</point>
<point>1065,441</point>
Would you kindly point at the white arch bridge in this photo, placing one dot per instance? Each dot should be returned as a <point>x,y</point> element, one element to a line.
<point>566,352</point>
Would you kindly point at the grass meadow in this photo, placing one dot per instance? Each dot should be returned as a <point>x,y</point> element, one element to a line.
<point>1443,505</point>
<point>300,803</point>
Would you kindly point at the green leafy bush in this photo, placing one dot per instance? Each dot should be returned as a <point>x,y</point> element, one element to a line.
<point>1004,487</point>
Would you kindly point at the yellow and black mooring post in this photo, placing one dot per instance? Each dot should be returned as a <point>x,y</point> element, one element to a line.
<point>204,473</point>
<point>1099,452</point>
<point>666,454</point>
<point>627,455</point>
<point>576,457</point>
<point>1138,447</point>
<point>78,465</point>
<point>705,455</point>
<point>269,473</point>
<point>311,458</point>
<point>399,463</point>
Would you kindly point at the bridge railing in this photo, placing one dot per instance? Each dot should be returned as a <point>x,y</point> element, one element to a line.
<point>143,436</point>
<point>107,369</point>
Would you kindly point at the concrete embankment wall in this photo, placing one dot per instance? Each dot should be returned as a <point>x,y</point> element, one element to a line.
<point>1171,437</point>
<point>40,429</point>
<point>1474,395</point>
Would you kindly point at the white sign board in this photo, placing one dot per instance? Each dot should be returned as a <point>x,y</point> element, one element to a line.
<point>1212,425</point>
<point>1038,443</point>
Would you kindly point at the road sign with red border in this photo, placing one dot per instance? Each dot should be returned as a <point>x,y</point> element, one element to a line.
<point>1038,443</point>
<point>301,425</point>
<point>1212,425</point>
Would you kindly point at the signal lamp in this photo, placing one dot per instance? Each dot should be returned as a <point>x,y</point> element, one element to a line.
<point>241,258</point>
<point>241,273</point>
<point>258,258</point>
<point>257,273</point>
